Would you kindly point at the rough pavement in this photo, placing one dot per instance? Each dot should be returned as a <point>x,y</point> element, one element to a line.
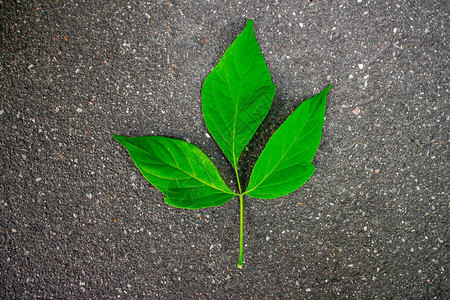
<point>78,220</point>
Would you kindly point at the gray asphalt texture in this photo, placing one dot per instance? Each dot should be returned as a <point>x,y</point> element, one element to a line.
<point>79,221</point>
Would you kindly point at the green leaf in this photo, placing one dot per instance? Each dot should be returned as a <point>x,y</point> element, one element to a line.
<point>285,163</point>
<point>181,171</point>
<point>237,95</point>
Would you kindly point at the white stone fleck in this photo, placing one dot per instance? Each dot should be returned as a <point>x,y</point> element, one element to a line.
<point>301,25</point>
<point>360,66</point>
<point>79,110</point>
<point>395,30</point>
<point>207,135</point>
<point>350,76</point>
<point>356,111</point>
<point>38,179</point>
<point>308,290</point>
<point>2,112</point>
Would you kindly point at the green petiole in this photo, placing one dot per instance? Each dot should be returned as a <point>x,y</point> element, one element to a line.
<point>241,220</point>
<point>241,235</point>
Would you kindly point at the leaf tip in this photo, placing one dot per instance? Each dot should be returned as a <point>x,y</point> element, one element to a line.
<point>323,94</point>
<point>119,138</point>
<point>116,137</point>
<point>249,25</point>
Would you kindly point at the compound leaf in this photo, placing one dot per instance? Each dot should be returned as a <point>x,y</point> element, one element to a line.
<point>237,95</point>
<point>285,163</point>
<point>181,171</point>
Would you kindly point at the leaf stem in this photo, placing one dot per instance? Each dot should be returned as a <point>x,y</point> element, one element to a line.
<point>241,220</point>
<point>238,181</point>
<point>241,236</point>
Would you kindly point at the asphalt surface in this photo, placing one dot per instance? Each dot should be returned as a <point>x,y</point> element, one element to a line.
<point>79,221</point>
